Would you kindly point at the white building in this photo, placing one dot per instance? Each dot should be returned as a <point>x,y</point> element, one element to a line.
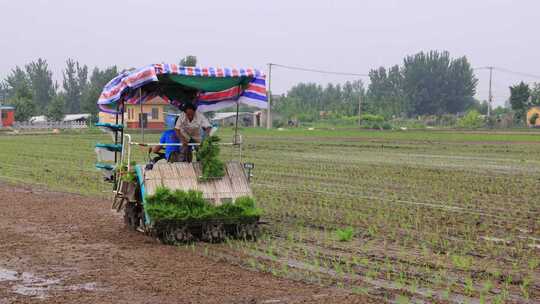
<point>67,118</point>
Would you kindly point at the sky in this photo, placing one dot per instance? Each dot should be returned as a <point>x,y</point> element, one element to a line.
<point>346,36</point>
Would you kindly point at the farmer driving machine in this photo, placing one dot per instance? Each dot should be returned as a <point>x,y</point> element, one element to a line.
<point>207,199</point>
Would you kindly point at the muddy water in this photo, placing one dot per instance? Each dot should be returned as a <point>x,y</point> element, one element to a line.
<point>8,275</point>
<point>31,285</point>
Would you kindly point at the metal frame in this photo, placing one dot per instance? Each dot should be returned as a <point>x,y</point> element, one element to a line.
<point>126,149</point>
<point>237,140</point>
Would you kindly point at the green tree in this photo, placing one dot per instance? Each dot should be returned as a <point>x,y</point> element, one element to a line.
<point>17,84</point>
<point>498,111</point>
<point>24,108</point>
<point>535,94</point>
<point>41,83</point>
<point>519,99</point>
<point>461,87</point>
<point>471,120</point>
<point>433,83</point>
<point>98,79</point>
<point>189,61</point>
<point>351,92</point>
<point>385,93</point>
<point>19,94</point>
<point>55,110</point>
<point>481,107</point>
<point>304,101</point>
<point>75,83</point>
<point>4,91</point>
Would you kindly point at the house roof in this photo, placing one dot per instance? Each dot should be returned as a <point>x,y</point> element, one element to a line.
<point>68,117</point>
<point>72,117</point>
<point>154,101</point>
<point>225,115</point>
<point>40,118</point>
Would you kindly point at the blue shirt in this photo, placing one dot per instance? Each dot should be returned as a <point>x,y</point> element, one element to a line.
<point>169,137</point>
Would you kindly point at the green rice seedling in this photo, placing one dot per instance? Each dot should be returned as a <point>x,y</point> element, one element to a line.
<point>344,235</point>
<point>487,286</point>
<point>402,281</point>
<point>274,271</point>
<point>469,286</point>
<point>252,263</point>
<point>305,251</point>
<point>461,262</point>
<point>372,274</point>
<point>285,269</point>
<point>429,294</point>
<point>402,299</point>
<point>363,261</point>
<point>446,293</point>
<point>208,155</point>
<point>499,299</point>
<point>178,205</point>
<point>533,263</point>
<point>337,268</point>
<point>524,287</point>
<point>360,290</point>
<point>482,298</point>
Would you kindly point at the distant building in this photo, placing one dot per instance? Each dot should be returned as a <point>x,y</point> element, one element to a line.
<point>38,119</point>
<point>245,119</point>
<point>8,116</point>
<point>67,118</point>
<point>533,112</point>
<point>77,117</point>
<point>152,116</point>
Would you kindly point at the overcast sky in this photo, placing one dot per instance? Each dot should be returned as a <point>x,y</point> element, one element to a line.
<point>348,35</point>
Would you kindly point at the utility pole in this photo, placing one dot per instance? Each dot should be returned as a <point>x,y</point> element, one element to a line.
<point>1,101</point>
<point>360,109</point>
<point>490,97</point>
<point>269,93</point>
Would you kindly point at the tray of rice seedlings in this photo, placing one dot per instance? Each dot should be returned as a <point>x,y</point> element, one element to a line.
<point>185,216</point>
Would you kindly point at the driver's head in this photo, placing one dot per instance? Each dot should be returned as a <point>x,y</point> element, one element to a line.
<point>189,109</point>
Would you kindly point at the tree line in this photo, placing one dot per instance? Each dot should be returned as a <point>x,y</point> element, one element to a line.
<point>306,101</point>
<point>32,90</point>
<point>429,83</point>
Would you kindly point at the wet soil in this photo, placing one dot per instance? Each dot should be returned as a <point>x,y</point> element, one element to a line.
<point>65,248</point>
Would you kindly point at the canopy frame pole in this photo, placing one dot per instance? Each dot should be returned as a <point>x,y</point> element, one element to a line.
<point>141,115</point>
<point>236,123</point>
<point>116,134</point>
<point>269,96</point>
<point>237,142</point>
<point>122,106</point>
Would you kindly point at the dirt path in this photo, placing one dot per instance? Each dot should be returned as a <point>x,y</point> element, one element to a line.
<point>65,248</point>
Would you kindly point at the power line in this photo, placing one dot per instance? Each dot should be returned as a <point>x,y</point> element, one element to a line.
<point>317,70</point>
<point>523,74</point>
<point>504,70</point>
<point>517,73</point>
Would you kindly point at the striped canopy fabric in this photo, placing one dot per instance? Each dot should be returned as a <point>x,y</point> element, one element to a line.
<point>212,88</point>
